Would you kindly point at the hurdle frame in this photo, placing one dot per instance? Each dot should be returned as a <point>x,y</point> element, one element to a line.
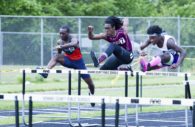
<point>99,99</point>
<point>138,88</point>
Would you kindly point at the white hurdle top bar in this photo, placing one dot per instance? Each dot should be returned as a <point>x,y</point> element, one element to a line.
<point>107,72</point>
<point>98,99</point>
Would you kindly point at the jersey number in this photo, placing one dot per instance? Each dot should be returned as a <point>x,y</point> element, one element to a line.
<point>121,41</point>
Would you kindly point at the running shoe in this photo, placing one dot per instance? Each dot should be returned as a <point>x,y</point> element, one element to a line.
<point>92,104</point>
<point>45,74</point>
<point>94,58</point>
<point>143,65</point>
<point>126,68</point>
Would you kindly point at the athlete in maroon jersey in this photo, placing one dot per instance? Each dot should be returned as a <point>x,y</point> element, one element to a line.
<point>120,49</point>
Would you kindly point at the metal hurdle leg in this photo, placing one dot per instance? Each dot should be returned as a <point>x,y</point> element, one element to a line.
<point>78,106</point>
<point>141,89</point>
<point>137,116</point>
<point>103,106</point>
<point>30,111</point>
<point>187,89</point>
<point>193,115</point>
<point>69,102</point>
<point>126,95</point>
<point>17,112</point>
<point>137,84</point>
<point>79,93</point>
<point>186,117</point>
<point>117,107</point>
<point>23,97</point>
<point>137,95</point>
<point>126,84</point>
<point>126,115</point>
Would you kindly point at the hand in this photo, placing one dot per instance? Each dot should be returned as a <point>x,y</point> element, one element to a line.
<point>174,66</point>
<point>90,28</point>
<point>143,53</point>
<point>59,42</point>
<point>58,47</point>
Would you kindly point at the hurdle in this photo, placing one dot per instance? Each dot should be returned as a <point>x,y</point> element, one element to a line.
<point>69,72</point>
<point>103,100</point>
<point>139,81</point>
<point>126,73</point>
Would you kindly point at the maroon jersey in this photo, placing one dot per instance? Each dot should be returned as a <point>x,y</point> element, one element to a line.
<point>121,38</point>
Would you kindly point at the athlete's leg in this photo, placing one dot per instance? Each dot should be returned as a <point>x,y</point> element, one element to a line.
<point>79,64</point>
<point>156,63</point>
<point>119,52</point>
<point>90,84</point>
<point>58,58</point>
<point>111,64</point>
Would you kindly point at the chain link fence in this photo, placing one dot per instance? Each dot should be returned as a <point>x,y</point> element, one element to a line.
<point>28,40</point>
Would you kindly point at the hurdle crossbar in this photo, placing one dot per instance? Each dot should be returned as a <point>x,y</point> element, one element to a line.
<point>98,99</point>
<point>108,72</point>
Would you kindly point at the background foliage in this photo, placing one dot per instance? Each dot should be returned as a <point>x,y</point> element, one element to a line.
<point>182,8</point>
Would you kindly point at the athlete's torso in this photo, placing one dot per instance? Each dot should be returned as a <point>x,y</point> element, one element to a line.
<point>73,53</point>
<point>122,38</point>
<point>164,47</point>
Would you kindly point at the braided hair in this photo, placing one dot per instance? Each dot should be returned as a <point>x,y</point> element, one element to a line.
<point>114,21</point>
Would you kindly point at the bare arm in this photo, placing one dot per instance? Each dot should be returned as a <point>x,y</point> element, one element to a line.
<point>63,44</point>
<point>94,37</point>
<point>144,45</point>
<point>171,45</point>
<point>74,43</point>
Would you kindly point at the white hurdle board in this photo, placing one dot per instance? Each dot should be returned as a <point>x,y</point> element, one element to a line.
<point>106,72</point>
<point>98,99</point>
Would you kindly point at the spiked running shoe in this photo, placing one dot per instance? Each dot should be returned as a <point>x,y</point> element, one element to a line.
<point>94,58</point>
<point>45,74</point>
<point>92,104</point>
<point>143,65</point>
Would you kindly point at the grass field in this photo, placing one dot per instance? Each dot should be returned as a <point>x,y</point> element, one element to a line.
<point>108,85</point>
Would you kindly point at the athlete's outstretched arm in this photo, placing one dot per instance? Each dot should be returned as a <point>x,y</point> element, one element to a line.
<point>171,45</point>
<point>92,36</point>
<point>144,45</point>
<point>74,43</point>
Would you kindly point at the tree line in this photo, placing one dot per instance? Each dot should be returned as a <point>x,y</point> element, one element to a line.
<point>130,8</point>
